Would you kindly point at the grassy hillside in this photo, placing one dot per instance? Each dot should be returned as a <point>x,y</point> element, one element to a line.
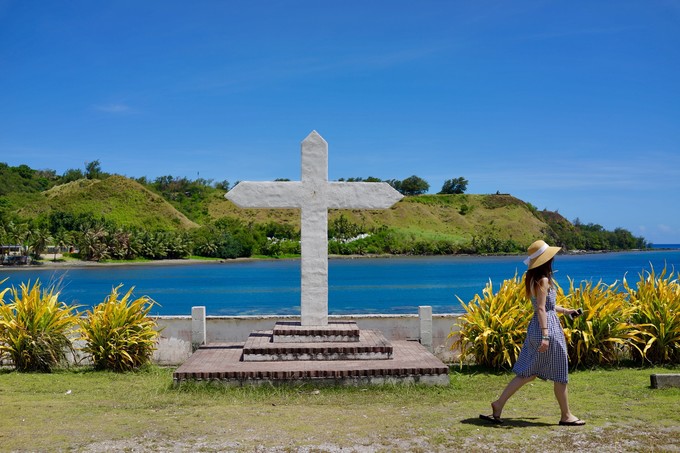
<point>457,218</point>
<point>424,224</point>
<point>122,200</point>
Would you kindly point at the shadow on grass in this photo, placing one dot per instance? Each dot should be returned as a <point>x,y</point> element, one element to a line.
<point>469,369</point>
<point>525,422</point>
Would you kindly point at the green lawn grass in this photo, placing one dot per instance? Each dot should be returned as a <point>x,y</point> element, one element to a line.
<point>84,410</point>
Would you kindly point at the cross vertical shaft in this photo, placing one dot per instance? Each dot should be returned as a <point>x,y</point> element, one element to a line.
<point>314,195</point>
<point>314,233</point>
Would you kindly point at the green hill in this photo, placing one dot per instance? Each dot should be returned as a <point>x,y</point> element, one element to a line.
<point>423,224</point>
<point>456,218</point>
<point>116,198</point>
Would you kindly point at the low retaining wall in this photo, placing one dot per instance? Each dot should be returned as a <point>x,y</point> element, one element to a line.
<point>178,337</point>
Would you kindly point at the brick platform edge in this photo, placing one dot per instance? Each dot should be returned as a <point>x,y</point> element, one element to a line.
<point>221,364</point>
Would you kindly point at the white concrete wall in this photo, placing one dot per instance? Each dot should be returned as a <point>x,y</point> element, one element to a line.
<point>175,344</point>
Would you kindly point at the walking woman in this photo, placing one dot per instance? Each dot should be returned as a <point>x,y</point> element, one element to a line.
<point>544,353</point>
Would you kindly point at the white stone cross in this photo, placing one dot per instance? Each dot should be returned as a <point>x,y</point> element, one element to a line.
<point>314,195</point>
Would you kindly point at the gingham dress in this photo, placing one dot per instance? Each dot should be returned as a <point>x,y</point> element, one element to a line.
<point>553,364</point>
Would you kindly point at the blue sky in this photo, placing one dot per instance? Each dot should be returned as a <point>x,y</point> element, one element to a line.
<point>571,106</point>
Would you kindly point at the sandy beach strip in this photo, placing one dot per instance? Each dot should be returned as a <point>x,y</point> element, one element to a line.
<point>73,264</point>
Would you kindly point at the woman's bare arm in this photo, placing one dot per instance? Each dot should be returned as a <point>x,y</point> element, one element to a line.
<point>542,293</point>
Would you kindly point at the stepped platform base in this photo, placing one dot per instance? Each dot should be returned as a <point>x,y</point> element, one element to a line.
<point>222,364</point>
<point>370,345</point>
<point>335,331</point>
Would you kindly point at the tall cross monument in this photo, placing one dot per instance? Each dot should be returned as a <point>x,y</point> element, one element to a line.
<point>314,196</point>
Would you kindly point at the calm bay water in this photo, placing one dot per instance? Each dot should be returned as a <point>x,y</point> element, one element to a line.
<point>366,285</point>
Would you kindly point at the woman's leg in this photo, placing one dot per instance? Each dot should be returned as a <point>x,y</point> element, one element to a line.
<point>514,385</point>
<point>563,401</point>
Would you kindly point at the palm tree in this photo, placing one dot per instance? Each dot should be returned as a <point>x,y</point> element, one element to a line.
<point>18,234</point>
<point>208,247</point>
<point>38,240</point>
<point>123,245</point>
<point>62,238</point>
<point>92,244</point>
<point>179,245</point>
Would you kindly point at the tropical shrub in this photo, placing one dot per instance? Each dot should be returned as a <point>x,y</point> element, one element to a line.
<point>603,334</point>
<point>493,328</point>
<point>119,335</point>
<point>35,327</point>
<point>92,244</point>
<point>278,247</point>
<point>489,242</point>
<point>656,303</point>
<point>226,238</point>
<point>341,228</point>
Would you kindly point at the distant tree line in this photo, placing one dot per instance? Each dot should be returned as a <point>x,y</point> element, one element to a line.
<point>415,185</point>
<point>181,189</point>
<point>592,236</point>
<point>97,239</point>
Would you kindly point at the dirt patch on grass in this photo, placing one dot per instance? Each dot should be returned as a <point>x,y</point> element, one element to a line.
<point>488,439</point>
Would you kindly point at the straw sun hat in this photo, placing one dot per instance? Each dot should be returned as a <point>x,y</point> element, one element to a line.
<point>540,253</point>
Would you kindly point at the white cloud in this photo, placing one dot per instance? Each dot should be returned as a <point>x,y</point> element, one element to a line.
<point>665,228</point>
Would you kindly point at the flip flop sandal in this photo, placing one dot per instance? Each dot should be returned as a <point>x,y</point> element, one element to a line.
<point>576,422</point>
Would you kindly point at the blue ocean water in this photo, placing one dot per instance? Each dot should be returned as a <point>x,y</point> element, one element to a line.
<point>365,285</point>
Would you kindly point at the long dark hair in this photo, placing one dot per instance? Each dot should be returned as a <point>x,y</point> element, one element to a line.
<point>535,275</point>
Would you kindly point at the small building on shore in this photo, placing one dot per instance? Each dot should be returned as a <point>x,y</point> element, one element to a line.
<point>14,254</point>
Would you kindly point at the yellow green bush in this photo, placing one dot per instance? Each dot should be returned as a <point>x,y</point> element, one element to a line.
<point>619,322</point>
<point>656,303</point>
<point>493,327</point>
<point>35,328</point>
<point>603,334</point>
<point>119,335</point>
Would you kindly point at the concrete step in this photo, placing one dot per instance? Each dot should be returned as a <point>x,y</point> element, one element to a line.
<point>371,345</point>
<point>221,363</point>
<point>335,331</point>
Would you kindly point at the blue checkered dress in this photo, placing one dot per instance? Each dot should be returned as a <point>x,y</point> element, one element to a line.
<point>553,364</point>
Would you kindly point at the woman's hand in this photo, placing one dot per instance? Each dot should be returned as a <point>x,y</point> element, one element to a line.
<point>544,346</point>
<point>568,311</point>
<point>574,313</point>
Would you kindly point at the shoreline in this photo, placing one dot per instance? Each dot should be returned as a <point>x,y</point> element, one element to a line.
<point>74,263</point>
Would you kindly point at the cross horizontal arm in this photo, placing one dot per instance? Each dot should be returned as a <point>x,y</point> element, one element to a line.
<point>361,195</point>
<point>274,194</point>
